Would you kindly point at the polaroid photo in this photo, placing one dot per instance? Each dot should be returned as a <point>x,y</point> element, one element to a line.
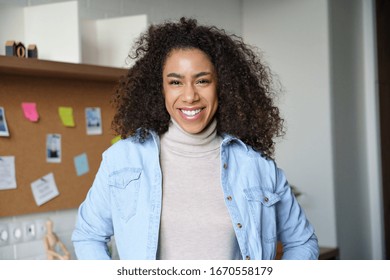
<point>53,148</point>
<point>93,120</point>
<point>3,123</point>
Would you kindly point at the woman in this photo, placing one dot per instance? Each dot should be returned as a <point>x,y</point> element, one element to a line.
<point>193,177</point>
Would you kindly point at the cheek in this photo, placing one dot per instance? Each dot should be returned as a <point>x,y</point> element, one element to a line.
<point>214,100</point>
<point>169,102</point>
<point>215,107</point>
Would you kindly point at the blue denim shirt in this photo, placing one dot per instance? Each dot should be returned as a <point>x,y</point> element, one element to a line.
<point>125,200</point>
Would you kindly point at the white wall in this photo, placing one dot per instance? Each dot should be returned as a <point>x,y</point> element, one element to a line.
<point>63,225</point>
<point>107,42</point>
<point>12,25</point>
<point>356,130</point>
<point>59,21</point>
<point>324,54</point>
<point>293,35</point>
<point>38,25</point>
<point>223,13</point>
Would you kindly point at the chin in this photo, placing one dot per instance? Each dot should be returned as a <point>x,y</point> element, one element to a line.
<point>192,129</point>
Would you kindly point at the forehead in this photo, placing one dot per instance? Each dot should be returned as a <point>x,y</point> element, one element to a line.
<point>182,58</point>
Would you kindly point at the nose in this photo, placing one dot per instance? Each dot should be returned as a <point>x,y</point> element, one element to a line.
<point>190,94</point>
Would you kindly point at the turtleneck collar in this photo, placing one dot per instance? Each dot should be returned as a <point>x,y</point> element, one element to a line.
<point>178,140</point>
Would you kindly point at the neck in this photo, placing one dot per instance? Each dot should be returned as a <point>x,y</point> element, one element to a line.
<point>181,141</point>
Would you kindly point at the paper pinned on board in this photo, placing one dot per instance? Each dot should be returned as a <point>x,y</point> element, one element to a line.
<point>3,123</point>
<point>66,115</point>
<point>81,164</point>
<point>44,189</point>
<point>93,121</point>
<point>7,173</point>
<point>30,111</point>
<point>53,148</point>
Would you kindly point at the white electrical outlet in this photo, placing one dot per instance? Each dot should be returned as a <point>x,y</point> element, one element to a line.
<point>4,235</point>
<point>40,228</point>
<point>16,233</point>
<point>29,231</point>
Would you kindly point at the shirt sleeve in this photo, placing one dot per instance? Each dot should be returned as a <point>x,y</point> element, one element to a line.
<point>294,229</point>
<point>94,224</point>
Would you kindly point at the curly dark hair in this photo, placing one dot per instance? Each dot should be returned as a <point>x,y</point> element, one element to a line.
<point>245,93</point>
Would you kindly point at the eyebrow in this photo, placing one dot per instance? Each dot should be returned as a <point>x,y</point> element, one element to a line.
<point>200,74</point>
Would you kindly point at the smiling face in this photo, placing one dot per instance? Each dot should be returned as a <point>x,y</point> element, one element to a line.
<point>190,89</point>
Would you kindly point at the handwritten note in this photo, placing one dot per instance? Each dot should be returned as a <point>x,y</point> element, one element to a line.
<point>81,164</point>
<point>44,189</point>
<point>30,111</point>
<point>7,173</point>
<point>66,115</point>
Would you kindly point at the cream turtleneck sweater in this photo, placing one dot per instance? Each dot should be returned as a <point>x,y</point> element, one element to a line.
<point>195,223</point>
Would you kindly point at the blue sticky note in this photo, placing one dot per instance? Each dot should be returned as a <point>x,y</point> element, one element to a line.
<point>81,164</point>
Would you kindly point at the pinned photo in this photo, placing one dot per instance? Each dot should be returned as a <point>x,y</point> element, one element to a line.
<point>3,123</point>
<point>93,121</point>
<point>53,148</point>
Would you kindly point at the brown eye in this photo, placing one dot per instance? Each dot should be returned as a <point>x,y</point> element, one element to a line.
<point>203,81</point>
<point>174,82</point>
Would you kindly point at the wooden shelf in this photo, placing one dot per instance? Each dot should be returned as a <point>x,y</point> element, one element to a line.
<point>44,68</point>
<point>329,253</point>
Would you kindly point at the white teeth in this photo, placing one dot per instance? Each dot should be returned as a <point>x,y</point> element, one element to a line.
<point>191,113</point>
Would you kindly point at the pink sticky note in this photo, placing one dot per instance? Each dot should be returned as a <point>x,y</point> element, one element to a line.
<point>30,111</point>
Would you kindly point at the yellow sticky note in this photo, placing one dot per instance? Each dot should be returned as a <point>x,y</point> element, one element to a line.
<point>66,115</point>
<point>116,139</point>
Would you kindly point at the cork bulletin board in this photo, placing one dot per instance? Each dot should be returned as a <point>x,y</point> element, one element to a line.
<point>51,85</point>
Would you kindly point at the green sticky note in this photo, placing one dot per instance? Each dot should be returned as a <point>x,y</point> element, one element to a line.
<point>116,139</point>
<point>66,115</point>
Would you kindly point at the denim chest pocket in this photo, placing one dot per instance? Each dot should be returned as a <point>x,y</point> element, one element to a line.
<point>262,204</point>
<point>125,185</point>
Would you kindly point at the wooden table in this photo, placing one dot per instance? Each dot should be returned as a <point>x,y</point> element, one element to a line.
<point>329,253</point>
